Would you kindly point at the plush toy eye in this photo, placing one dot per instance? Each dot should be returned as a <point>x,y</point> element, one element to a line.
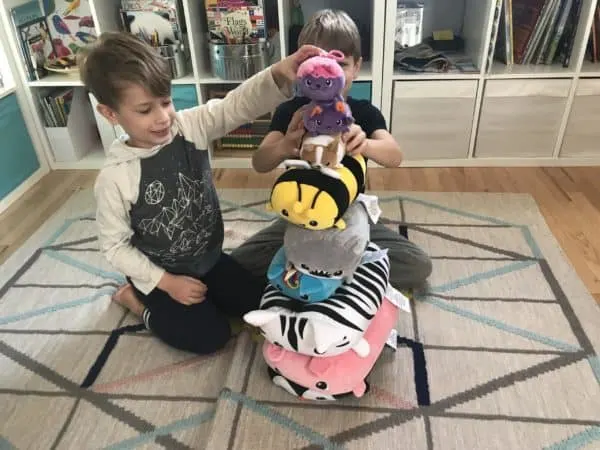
<point>319,122</point>
<point>328,82</point>
<point>313,223</point>
<point>308,82</point>
<point>284,212</point>
<point>338,122</point>
<point>321,385</point>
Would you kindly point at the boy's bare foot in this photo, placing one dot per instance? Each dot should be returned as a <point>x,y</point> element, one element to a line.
<point>125,296</point>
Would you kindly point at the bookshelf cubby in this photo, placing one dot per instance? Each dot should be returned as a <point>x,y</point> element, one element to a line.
<point>482,111</point>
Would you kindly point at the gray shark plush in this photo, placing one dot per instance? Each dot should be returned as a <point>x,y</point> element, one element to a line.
<point>329,253</point>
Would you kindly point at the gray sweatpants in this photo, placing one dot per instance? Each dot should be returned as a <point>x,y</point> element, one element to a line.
<point>410,266</point>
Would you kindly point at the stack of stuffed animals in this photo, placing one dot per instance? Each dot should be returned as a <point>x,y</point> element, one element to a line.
<point>327,312</point>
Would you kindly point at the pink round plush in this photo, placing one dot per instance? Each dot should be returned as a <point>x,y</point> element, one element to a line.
<point>339,374</point>
<point>323,66</point>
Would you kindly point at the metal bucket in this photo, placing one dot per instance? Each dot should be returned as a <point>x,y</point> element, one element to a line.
<point>175,56</point>
<point>238,61</point>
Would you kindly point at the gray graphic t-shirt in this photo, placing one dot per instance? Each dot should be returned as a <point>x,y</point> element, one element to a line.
<point>176,220</point>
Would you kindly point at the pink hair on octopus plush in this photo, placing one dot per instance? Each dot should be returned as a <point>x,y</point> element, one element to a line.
<point>323,66</point>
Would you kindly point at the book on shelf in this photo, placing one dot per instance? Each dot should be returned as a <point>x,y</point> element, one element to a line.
<point>37,45</point>
<point>247,136</point>
<point>55,104</point>
<point>593,49</point>
<point>236,22</point>
<point>536,31</point>
<point>50,31</point>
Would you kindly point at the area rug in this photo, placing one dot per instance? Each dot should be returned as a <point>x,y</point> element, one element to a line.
<point>499,352</point>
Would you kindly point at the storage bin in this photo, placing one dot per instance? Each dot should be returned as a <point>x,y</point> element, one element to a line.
<point>433,119</point>
<point>175,57</point>
<point>238,62</point>
<point>80,136</point>
<point>521,118</point>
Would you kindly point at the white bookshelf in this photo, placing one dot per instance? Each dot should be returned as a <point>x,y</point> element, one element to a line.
<point>440,119</point>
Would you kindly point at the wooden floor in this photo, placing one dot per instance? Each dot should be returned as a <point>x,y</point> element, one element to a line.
<point>569,199</point>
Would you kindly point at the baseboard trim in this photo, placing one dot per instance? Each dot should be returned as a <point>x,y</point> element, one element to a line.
<point>246,163</point>
<point>16,193</point>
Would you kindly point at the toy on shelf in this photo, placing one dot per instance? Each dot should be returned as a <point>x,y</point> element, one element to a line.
<point>332,377</point>
<point>332,326</point>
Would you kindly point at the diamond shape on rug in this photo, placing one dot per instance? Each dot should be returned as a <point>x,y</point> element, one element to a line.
<point>410,435</point>
<point>143,364</point>
<point>454,371</point>
<point>68,355</point>
<point>253,207</point>
<point>500,434</point>
<point>451,328</point>
<point>424,211</point>
<point>77,230</point>
<point>282,426</point>
<point>32,421</point>
<point>18,378</point>
<point>543,319</point>
<point>568,392</point>
<point>53,267</point>
<point>60,308</point>
<point>471,242</point>
<point>516,279</point>
<point>91,257</point>
<point>185,421</point>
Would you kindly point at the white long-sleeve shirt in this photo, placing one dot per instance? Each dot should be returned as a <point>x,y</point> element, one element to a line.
<point>157,208</point>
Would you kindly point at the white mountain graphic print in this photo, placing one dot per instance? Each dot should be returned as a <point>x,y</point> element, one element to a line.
<point>191,207</point>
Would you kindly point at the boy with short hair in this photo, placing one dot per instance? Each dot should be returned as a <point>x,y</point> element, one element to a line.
<point>158,215</point>
<point>334,30</point>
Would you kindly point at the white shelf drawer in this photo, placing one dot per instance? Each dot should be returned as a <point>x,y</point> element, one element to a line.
<point>582,136</point>
<point>521,118</point>
<point>433,119</point>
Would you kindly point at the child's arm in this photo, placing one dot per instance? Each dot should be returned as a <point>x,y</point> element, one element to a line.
<point>380,147</point>
<point>374,141</point>
<point>114,233</point>
<point>255,97</point>
<point>276,146</point>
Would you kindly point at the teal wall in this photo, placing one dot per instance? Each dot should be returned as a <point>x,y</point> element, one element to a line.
<point>360,90</point>
<point>184,96</point>
<point>18,160</point>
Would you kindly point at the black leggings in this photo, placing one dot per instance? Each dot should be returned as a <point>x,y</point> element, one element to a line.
<point>204,328</point>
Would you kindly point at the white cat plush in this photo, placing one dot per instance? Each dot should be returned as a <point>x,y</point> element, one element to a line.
<point>330,327</point>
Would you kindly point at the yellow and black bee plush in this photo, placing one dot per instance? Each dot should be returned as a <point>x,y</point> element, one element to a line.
<point>309,198</point>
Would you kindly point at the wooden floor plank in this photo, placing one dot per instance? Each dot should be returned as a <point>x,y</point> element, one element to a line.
<point>568,198</point>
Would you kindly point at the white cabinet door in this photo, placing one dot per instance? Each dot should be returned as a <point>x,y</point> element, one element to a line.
<point>521,118</point>
<point>582,136</point>
<point>433,119</point>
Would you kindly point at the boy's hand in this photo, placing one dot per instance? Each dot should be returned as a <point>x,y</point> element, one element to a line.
<point>356,140</point>
<point>290,145</point>
<point>284,71</point>
<point>185,290</point>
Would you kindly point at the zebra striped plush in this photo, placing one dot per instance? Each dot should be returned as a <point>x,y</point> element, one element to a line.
<point>330,327</point>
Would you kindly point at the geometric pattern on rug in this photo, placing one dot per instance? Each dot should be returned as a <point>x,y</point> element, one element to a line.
<point>57,302</point>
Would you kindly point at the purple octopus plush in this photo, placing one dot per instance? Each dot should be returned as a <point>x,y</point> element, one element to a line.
<point>322,80</point>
